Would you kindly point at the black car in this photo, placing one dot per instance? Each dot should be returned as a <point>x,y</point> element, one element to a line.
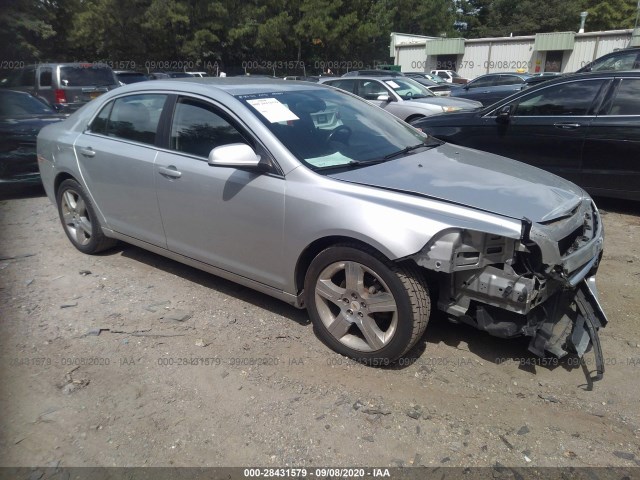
<point>165,75</point>
<point>373,73</point>
<point>491,88</point>
<point>539,78</point>
<point>21,118</point>
<point>439,88</point>
<point>126,77</point>
<point>625,59</point>
<point>584,127</point>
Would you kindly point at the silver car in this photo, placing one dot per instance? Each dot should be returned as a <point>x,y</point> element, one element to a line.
<point>402,96</point>
<point>318,198</point>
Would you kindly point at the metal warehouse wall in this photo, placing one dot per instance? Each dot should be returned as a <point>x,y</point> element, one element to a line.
<point>411,57</point>
<point>506,54</point>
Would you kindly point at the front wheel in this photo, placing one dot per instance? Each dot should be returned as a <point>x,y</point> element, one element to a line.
<point>365,306</point>
<point>79,219</point>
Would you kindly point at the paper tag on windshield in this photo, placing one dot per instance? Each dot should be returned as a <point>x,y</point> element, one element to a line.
<point>393,84</point>
<point>272,110</point>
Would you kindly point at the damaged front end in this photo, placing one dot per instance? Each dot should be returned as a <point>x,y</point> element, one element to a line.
<point>541,285</point>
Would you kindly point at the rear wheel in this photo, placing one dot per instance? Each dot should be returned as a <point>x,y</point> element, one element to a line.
<point>365,306</point>
<point>79,219</point>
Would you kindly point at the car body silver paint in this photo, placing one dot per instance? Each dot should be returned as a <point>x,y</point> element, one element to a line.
<point>399,207</point>
<point>405,109</point>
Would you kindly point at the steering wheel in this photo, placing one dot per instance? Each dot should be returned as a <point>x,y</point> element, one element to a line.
<point>409,94</point>
<point>340,134</point>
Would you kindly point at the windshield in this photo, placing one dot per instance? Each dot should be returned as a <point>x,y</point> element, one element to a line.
<point>15,104</point>
<point>455,75</point>
<point>408,88</point>
<point>86,75</point>
<point>331,129</point>
<point>435,78</point>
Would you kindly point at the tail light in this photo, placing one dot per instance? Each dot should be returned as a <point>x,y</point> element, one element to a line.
<point>60,96</point>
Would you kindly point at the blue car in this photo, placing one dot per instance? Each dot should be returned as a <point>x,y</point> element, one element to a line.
<point>491,88</point>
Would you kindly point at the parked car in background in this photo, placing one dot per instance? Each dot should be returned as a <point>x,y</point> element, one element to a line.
<point>21,118</point>
<point>428,76</point>
<point>538,78</point>
<point>199,74</point>
<point>584,127</point>
<point>373,73</point>
<point>625,59</point>
<point>165,75</point>
<point>64,86</point>
<point>435,84</point>
<point>402,96</point>
<point>364,221</point>
<point>488,89</point>
<point>310,78</point>
<point>126,77</point>
<point>449,76</point>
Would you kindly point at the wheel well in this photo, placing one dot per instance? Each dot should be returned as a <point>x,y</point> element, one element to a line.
<point>315,248</point>
<point>59,179</point>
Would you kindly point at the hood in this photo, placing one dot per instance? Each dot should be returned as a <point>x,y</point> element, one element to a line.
<point>28,126</point>
<point>475,179</point>
<point>448,102</point>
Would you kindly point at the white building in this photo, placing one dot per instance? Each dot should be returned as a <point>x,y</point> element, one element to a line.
<point>543,52</point>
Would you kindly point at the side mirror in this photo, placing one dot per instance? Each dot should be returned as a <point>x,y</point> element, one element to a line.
<point>504,115</point>
<point>234,155</point>
<point>384,98</point>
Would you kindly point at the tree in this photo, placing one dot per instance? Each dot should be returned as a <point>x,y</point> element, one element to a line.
<point>109,30</point>
<point>610,14</point>
<point>527,17</point>
<point>25,26</point>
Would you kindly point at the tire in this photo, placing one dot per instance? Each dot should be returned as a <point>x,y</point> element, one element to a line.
<point>364,306</point>
<point>79,219</point>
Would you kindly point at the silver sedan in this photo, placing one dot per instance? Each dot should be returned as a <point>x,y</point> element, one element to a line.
<point>404,97</point>
<point>318,198</point>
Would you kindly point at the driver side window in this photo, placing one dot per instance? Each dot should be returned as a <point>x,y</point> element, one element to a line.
<point>567,99</point>
<point>197,128</point>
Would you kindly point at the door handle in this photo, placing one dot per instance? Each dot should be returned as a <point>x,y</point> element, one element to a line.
<point>567,126</point>
<point>169,171</point>
<point>87,152</point>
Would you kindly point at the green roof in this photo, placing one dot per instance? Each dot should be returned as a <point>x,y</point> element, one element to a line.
<point>445,46</point>
<point>554,41</point>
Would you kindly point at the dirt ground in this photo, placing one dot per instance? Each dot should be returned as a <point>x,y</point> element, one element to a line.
<point>131,359</point>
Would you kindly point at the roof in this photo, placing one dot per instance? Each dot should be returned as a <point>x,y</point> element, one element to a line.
<point>230,85</point>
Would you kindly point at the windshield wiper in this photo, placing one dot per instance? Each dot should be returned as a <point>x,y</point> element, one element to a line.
<point>404,151</point>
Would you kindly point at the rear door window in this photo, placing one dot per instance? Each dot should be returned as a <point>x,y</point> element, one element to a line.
<point>627,100</point>
<point>45,77</point>
<point>486,81</point>
<point>134,118</point>
<point>347,85</point>
<point>509,80</point>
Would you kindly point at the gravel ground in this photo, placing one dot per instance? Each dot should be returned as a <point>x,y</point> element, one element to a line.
<point>131,359</point>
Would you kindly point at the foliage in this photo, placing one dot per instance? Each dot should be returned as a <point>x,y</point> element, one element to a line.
<point>277,34</point>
